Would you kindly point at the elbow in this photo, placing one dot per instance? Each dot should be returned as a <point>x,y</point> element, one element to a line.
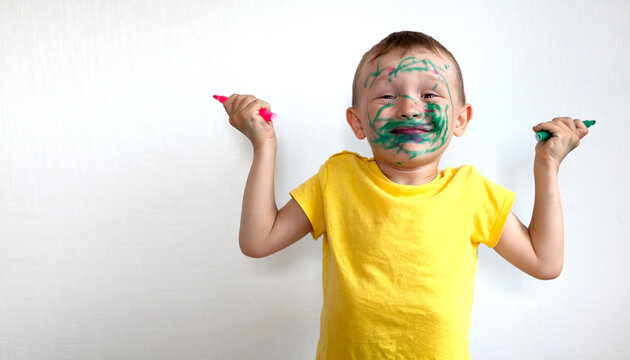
<point>549,273</point>
<point>253,254</point>
<point>252,251</point>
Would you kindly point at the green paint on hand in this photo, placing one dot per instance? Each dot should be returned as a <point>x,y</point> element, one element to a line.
<point>250,124</point>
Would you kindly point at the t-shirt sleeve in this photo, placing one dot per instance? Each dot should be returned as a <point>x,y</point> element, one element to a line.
<point>309,197</point>
<point>492,207</point>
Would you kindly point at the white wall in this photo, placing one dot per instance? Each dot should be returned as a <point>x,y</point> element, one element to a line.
<point>121,180</point>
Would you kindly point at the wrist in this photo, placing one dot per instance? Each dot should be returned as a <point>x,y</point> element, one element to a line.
<point>546,164</point>
<point>265,145</point>
<point>545,172</point>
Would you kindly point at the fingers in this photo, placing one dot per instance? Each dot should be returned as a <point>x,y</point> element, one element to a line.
<point>563,126</point>
<point>236,102</point>
<point>565,132</point>
<point>229,103</point>
<point>557,123</point>
<point>550,126</point>
<point>244,107</point>
<point>263,105</point>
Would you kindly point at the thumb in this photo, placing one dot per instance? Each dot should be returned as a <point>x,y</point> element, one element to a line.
<point>581,129</point>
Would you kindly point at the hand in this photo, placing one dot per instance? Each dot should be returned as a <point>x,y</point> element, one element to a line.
<point>565,136</point>
<point>243,111</point>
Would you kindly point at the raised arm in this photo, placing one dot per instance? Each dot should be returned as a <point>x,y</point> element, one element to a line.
<point>538,249</point>
<point>264,230</point>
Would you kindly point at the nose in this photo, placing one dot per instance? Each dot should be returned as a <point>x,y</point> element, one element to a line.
<point>407,108</point>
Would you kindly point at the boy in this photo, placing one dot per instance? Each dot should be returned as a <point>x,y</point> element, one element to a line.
<point>401,235</point>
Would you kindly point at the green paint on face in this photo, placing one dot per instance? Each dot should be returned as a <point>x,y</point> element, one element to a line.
<point>407,64</point>
<point>431,127</point>
<point>375,74</point>
<point>434,124</point>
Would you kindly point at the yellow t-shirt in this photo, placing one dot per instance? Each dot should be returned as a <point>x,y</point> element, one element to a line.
<point>399,261</point>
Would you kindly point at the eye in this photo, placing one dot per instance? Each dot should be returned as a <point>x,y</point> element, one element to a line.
<point>388,97</point>
<point>429,96</point>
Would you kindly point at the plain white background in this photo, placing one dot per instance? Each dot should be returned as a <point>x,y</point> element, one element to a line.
<point>121,180</point>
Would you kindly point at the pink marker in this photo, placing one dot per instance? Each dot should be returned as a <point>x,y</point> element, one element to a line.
<point>265,113</point>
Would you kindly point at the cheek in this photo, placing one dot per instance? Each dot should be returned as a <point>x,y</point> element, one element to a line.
<point>437,114</point>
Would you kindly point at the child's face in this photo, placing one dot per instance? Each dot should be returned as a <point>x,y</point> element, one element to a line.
<point>408,106</point>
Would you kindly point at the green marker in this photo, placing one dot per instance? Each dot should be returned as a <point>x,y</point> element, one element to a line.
<point>544,135</point>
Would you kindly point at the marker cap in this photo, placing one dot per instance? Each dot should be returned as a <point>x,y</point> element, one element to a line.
<point>268,115</point>
<point>542,135</point>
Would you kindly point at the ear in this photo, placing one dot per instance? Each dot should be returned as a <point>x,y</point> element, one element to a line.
<point>462,119</point>
<point>352,117</point>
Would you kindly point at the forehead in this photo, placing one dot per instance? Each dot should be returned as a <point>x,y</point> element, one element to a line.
<point>399,61</point>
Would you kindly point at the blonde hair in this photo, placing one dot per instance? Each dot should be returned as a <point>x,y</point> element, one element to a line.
<point>405,41</point>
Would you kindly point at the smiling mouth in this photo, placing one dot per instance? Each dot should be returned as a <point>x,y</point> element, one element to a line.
<point>412,130</point>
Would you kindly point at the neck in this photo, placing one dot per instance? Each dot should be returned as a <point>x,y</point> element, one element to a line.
<point>419,175</point>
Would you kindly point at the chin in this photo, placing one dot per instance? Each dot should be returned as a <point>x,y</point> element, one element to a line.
<point>412,151</point>
<point>408,157</point>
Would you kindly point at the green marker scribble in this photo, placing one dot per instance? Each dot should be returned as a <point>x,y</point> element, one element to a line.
<point>433,113</point>
<point>435,119</point>
<point>376,74</point>
<point>250,124</point>
<point>408,65</point>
